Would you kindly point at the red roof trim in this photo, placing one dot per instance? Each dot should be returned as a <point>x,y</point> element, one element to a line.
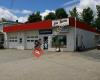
<point>30,26</point>
<point>47,25</point>
<point>81,25</point>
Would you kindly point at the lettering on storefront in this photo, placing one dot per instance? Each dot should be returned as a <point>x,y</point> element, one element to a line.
<point>46,31</point>
<point>60,22</point>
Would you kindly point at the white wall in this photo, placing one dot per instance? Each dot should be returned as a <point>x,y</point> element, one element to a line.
<point>22,35</point>
<point>87,37</point>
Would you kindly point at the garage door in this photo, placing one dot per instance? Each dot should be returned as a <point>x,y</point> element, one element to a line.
<point>30,41</point>
<point>13,42</point>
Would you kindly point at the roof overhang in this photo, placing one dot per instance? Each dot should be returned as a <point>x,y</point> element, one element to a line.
<point>29,26</point>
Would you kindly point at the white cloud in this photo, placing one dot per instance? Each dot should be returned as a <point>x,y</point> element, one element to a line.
<point>9,15</point>
<point>5,13</point>
<point>21,11</point>
<point>46,12</point>
<point>70,2</point>
<point>84,4</point>
<point>23,19</point>
<point>26,12</point>
<point>89,3</point>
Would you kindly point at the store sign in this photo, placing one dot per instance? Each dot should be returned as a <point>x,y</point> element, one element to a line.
<point>46,31</point>
<point>60,22</point>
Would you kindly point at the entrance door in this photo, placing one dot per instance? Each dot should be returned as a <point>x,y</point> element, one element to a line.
<point>45,44</point>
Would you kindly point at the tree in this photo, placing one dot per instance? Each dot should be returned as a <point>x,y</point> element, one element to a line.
<point>35,17</point>
<point>61,13</point>
<point>57,42</point>
<point>98,10</point>
<point>50,16</point>
<point>4,20</point>
<point>74,13</point>
<point>16,21</point>
<point>87,15</point>
<point>97,21</point>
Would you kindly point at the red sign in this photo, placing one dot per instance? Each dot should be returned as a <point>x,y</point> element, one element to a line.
<point>37,52</point>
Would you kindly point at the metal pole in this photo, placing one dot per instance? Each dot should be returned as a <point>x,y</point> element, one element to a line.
<point>12,3</point>
<point>75,28</point>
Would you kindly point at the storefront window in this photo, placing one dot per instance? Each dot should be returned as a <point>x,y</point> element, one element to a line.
<point>59,40</point>
<point>20,40</point>
<point>12,39</point>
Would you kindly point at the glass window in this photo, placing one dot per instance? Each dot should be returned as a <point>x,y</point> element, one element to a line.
<point>28,40</point>
<point>32,36</point>
<point>32,40</point>
<point>28,36</point>
<point>20,40</point>
<point>36,36</point>
<point>9,40</point>
<point>15,40</point>
<point>12,40</point>
<point>59,40</point>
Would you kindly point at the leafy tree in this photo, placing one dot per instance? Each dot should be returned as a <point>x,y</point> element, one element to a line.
<point>97,21</point>
<point>35,17</point>
<point>57,42</point>
<point>74,13</point>
<point>98,10</point>
<point>61,13</point>
<point>50,16</point>
<point>4,20</point>
<point>87,15</point>
<point>16,21</point>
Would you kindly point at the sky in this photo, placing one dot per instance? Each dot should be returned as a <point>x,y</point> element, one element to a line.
<point>21,9</point>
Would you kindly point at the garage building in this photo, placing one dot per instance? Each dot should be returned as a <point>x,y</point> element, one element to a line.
<point>63,31</point>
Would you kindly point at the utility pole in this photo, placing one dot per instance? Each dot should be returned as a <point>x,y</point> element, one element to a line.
<point>12,3</point>
<point>75,29</point>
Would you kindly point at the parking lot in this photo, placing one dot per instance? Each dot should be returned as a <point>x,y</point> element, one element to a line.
<point>22,65</point>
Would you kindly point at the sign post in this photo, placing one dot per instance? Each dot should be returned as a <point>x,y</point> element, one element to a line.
<point>37,52</point>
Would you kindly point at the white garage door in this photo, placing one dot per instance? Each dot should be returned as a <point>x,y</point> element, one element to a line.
<point>13,42</point>
<point>30,41</point>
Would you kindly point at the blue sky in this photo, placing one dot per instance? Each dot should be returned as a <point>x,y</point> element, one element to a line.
<point>20,9</point>
<point>34,5</point>
<point>26,7</point>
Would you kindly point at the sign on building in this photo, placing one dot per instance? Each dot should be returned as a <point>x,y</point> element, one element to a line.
<point>60,22</point>
<point>46,31</point>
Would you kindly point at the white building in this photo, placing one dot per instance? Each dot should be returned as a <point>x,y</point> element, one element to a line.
<point>52,33</point>
<point>3,36</point>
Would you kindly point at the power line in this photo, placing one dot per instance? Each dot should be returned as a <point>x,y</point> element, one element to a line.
<point>12,4</point>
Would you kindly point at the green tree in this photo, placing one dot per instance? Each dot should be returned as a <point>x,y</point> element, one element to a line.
<point>4,20</point>
<point>57,42</point>
<point>50,16</point>
<point>97,21</point>
<point>98,10</point>
<point>61,13</point>
<point>87,15</point>
<point>35,17</point>
<point>74,13</point>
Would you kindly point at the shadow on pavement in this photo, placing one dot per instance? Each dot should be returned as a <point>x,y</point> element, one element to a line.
<point>91,54</point>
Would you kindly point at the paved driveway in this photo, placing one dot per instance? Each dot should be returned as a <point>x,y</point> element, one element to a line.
<point>21,65</point>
